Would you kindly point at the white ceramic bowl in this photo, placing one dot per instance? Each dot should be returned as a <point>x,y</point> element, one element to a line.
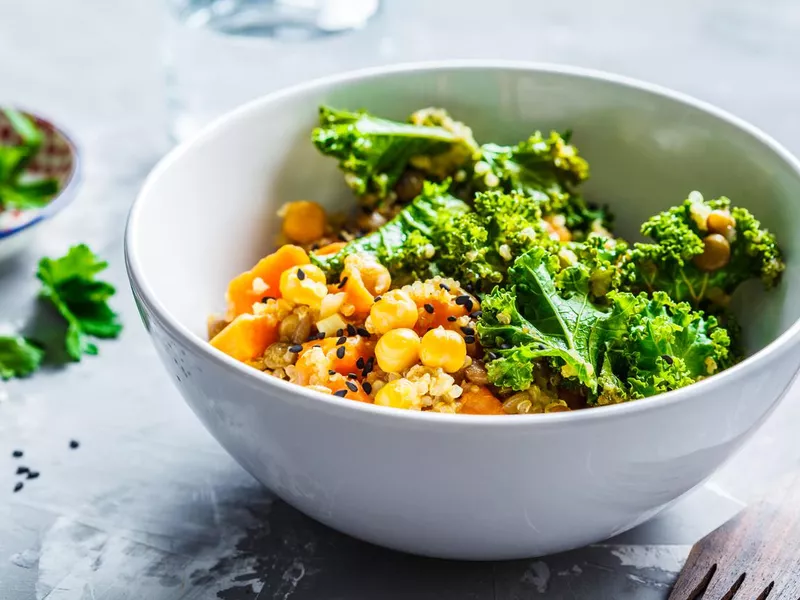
<point>462,486</point>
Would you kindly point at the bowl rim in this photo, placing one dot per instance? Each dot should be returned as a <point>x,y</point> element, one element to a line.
<point>66,194</point>
<point>314,399</point>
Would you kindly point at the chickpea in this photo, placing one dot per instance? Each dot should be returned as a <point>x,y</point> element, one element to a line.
<point>409,186</point>
<point>721,222</point>
<point>303,221</point>
<point>716,253</point>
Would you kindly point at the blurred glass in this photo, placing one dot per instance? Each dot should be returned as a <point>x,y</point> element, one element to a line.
<point>221,53</point>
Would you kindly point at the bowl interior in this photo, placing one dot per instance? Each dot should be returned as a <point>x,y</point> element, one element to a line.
<point>208,212</point>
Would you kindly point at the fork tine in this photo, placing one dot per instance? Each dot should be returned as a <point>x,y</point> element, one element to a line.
<point>757,586</point>
<point>725,585</point>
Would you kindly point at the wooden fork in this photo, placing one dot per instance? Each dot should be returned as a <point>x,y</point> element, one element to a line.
<point>754,556</point>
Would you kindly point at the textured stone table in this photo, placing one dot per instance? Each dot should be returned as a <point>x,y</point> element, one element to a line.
<point>149,506</point>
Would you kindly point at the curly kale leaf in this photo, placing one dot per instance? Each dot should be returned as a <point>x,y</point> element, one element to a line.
<point>547,169</point>
<point>636,347</point>
<point>404,244</point>
<point>670,263</point>
<point>478,247</point>
<point>374,153</point>
<point>532,320</point>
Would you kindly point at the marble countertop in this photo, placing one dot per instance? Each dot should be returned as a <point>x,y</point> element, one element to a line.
<point>149,506</point>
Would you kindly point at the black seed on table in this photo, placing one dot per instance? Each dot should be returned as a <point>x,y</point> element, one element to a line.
<point>33,474</point>
<point>351,386</point>
<point>340,352</point>
<point>340,393</point>
<point>360,362</point>
<point>667,359</point>
<point>17,486</point>
<point>343,282</point>
<point>341,341</point>
<point>429,308</point>
<point>351,331</point>
<point>470,339</point>
<point>444,287</point>
<point>476,315</point>
<point>73,444</point>
<point>452,319</point>
<point>22,470</point>
<point>301,274</point>
<point>295,348</point>
<point>363,332</point>
<point>468,330</point>
<point>17,454</point>
<point>367,387</point>
<point>339,332</point>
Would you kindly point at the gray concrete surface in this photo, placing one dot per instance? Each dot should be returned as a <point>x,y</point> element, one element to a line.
<point>149,506</point>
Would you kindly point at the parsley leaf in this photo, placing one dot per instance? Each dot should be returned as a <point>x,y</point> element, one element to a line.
<point>18,357</point>
<point>69,283</point>
<point>17,190</point>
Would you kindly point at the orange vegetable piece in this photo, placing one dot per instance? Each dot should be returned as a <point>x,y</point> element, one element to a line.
<point>247,336</point>
<point>331,248</point>
<point>241,294</point>
<point>338,382</point>
<point>480,401</point>
<point>441,310</point>
<point>354,348</point>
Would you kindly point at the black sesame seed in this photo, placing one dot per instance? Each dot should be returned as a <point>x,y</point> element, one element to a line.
<point>462,300</point>
<point>331,372</point>
<point>17,486</point>
<point>266,299</point>
<point>668,359</point>
<point>429,308</point>
<point>476,314</point>
<point>452,319</point>
<point>341,341</point>
<point>295,348</point>
<point>340,352</point>
<point>491,356</point>
<point>301,274</point>
<point>352,376</point>
<point>22,470</point>
<point>351,331</point>
<point>444,287</point>
<point>360,362</point>
<point>377,298</point>
<point>314,246</point>
<point>469,287</point>
<point>468,330</point>
<point>505,346</point>
<point>17,454</point>
<point>316,346</point>
<point>351,386</point>
<point>362,332</point>
<point>468,305</point>
<point>73,444</point>
<point>339,332</point>
<point>470,339</point>
<point>343,282</point>
<point>33,474</point>
<point>340,393</point>
<point>367,387</point>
